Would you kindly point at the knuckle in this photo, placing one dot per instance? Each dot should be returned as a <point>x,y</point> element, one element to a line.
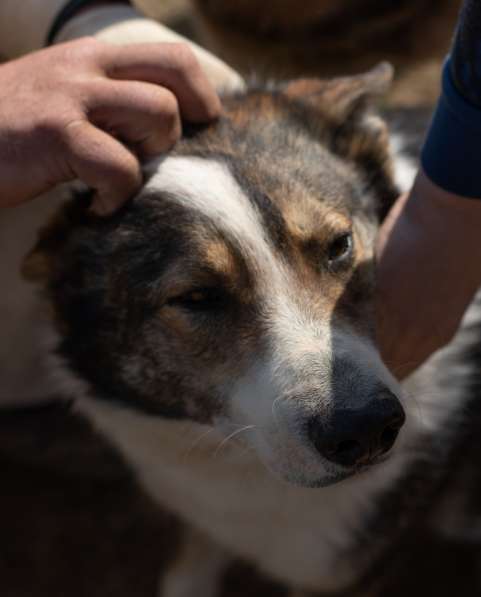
<point>184,57</point>
<point>89,41</point>
<point>168,110</point>
<point>87,48</point>
<point>57,131</point>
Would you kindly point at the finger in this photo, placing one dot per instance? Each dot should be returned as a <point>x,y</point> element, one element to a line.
<point>143,115</point>
<point>102,163</point>
<point>171,65</point>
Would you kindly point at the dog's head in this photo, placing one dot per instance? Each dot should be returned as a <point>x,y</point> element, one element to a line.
<point>236,288</point>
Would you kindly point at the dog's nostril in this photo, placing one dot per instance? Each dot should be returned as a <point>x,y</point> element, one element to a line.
<point>353,436</point>
<point>348,452</point>
<point>389,435</point>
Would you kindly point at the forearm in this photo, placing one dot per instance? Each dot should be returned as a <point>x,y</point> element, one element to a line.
<point>429,270</point>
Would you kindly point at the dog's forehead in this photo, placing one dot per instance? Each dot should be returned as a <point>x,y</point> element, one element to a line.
<point>246,204</point>
<point>259,178</point>
<point>207,192</point>
<point>260,158</point>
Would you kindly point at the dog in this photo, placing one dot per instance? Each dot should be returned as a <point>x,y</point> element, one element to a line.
<point>219,331</point>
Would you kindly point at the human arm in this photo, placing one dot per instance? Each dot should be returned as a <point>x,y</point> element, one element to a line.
<point>429,269</point>
<point>429,249</point>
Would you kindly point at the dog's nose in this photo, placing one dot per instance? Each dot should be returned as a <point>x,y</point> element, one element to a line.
<point>354,436</point>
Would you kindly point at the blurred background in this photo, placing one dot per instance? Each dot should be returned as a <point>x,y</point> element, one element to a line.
<point>289,38</point>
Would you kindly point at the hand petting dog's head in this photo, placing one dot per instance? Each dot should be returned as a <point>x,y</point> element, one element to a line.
<point>236,288</point>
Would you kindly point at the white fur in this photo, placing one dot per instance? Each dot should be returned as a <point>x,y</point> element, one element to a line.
<point>405,168</point>
<point>197,570</point>
<point>207,186</point>
<point>298,535</point>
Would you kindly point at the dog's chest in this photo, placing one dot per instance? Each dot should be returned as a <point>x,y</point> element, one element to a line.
<point>296,535</point>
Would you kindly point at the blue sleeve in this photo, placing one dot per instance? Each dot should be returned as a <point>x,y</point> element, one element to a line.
<point>451,156</point>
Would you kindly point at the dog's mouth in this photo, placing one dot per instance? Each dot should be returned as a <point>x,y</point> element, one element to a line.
<point>334,478</point>
<point>358,471</point>
<point>296,463</point>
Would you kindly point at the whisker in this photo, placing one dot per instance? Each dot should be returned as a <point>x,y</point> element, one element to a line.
<point>274,414</point>
<point>196,442</point>
<point>229,437</point>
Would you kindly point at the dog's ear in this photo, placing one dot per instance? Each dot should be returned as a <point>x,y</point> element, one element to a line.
<point>41,262</point>
<point>342,98</point>
<point>339,110</point>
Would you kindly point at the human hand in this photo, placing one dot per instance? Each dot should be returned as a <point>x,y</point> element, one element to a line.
<point>118,23</point>
<point>429,269</point>
<point>89,110</point>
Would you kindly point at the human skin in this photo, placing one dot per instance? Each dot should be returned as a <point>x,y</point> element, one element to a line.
<point>90,110</point>
<point>429,269</point>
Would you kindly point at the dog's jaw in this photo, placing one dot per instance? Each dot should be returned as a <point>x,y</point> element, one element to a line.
<point>224,490</point>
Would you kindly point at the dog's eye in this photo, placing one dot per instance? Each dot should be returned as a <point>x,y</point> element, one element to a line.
<point>339,252</point>
<point>200,299</point>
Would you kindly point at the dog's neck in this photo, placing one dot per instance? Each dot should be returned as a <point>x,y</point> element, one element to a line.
<point>222,488</point>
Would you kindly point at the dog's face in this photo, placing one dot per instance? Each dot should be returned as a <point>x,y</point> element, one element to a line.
<point>236,288</point>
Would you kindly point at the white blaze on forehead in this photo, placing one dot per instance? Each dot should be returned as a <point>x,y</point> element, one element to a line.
<point>207,186</point>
